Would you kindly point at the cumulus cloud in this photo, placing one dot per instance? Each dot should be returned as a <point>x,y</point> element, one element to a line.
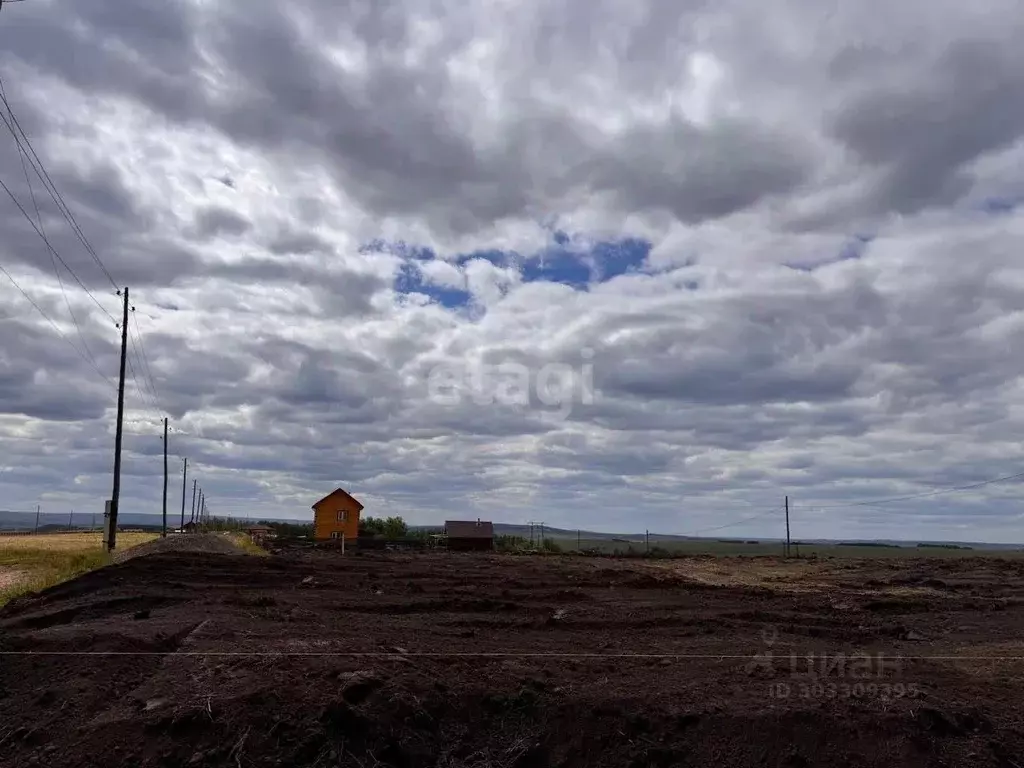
<point>779,250</point>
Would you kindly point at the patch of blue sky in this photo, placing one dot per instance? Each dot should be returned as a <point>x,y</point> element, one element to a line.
<point>570,260</point>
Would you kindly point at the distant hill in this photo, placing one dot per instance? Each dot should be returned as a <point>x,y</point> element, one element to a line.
<point>27,520</point>
<point>22,521</point>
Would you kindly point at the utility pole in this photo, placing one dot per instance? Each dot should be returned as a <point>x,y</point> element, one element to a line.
<point>36,529</point>
<point>193,515</point>
<point>184,488</point>
<point>115,495</point>
<point>647,541</point>
<point>787,526</point>
<point>163,533</point>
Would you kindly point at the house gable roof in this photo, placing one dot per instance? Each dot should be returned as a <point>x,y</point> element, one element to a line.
<point>335,492</point>
<point>469,529</point>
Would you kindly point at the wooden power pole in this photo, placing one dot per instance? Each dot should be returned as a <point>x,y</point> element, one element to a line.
<point>184,489</point>
<point>193,515</point>
<point>164,530</point>
<point>787,526</point>
<point>115,495</point>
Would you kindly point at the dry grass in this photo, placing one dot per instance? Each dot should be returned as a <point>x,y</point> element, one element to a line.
<point>245,543</point>
<point>35,562</point>
<point>783,575</point>
<point>70,542</point>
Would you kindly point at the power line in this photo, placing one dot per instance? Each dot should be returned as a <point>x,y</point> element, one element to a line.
<point>145,358</point>
<point>55,327</point>
<point>772,511</point>
<point>50,187</point>
<point>56,270</point>
<point>923,495</point>
<point>147,402</point>
<point>138,357</point>
<point>52,249</point>
<point>142,395</point>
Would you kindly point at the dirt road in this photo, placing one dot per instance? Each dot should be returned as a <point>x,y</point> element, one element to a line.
<point>470,660</point>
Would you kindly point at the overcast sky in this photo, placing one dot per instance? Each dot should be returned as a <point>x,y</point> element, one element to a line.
<point>763,251</point>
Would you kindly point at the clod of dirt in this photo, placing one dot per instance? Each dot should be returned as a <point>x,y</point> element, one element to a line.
<point>914,636</point>
<point>357,686</point>
<point>687,720</point>
<point>341,718</point>
<point>308,581</point>
<point>139,615</point>
<point>935,721</point>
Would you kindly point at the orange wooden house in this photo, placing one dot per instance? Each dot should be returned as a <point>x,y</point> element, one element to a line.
<point>337,515</point>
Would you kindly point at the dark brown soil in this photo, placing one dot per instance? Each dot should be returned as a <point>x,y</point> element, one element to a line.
<point>207,542</point>
<point>311,658</point>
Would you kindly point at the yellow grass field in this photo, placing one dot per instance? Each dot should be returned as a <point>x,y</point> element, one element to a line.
<point>34,562</point>
<point>68,542</point>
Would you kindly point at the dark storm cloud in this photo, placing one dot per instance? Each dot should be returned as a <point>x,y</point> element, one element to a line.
<point>215,221</point>
<point>337,292</point>
<point>105,213</point>
<point>35,376</point>
<point>152,61</point>
<point>923,133</point>
<point>699,174</point>
<point>287,242</point>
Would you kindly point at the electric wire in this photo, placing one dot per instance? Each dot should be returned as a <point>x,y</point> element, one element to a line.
<point>50,187</point>
<point>56,327</point>
<point>922,495</point>
<point>56,270</point>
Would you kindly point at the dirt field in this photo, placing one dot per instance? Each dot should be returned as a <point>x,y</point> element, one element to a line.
<point>516,662</point>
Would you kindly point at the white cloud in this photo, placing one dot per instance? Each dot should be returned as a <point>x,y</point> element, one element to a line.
<point>830,308</point>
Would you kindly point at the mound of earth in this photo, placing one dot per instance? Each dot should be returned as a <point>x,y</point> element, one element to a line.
<point>197,542</point>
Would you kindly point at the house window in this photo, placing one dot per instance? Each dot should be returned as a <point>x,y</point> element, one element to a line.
<point>341,516</point>
<point>335,534</point>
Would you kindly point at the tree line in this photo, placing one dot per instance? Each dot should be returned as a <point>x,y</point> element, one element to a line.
<point>393,527</point>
